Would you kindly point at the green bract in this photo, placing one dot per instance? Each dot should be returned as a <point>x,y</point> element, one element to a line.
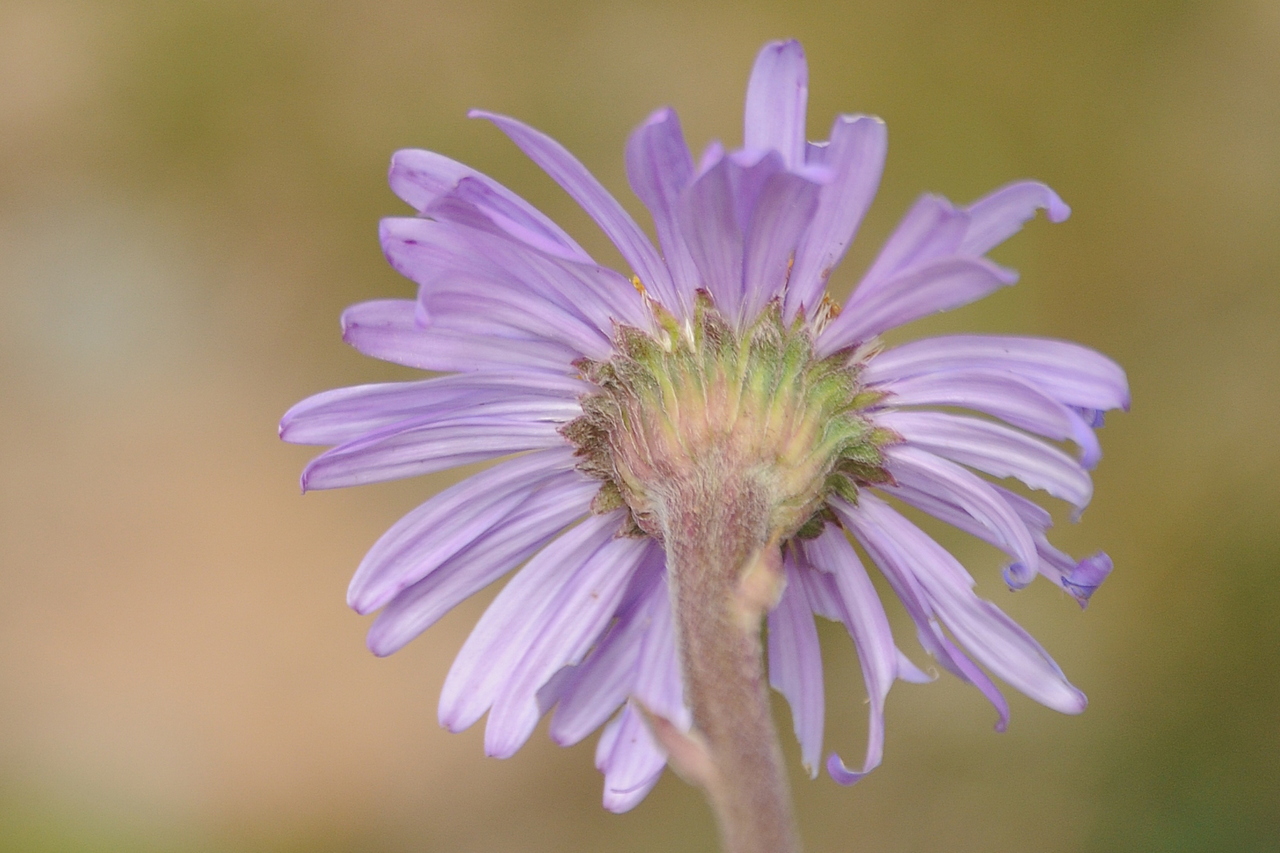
<point>700,405</point>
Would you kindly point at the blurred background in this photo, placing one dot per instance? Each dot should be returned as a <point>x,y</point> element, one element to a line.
<point>189,195</point>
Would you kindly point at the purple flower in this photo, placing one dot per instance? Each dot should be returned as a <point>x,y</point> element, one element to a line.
<point>584,377</point>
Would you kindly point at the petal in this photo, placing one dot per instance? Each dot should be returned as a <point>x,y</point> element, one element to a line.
<point>777,96</point>
<point>659,684</point>
<point>547,512</point>
<point>659,168</point>
<point>932,230</point>
<point>782,213</point>
<point>421,177</point>
<point>795,666</point>
<point>998,216</point>
<point>899,567</point>
<point>1004,395</point>
<point>709,222</point>
<point>575,615</point>
<point>922,471</point>
<point>1068,372</point>
<point>995,449</point>
<point>515,619</point>
<point>588,192</point>
<point>865,619</point>
<point>460,304</point>
<point>936,286</point>
<point>450,521</point>
<point>856,155</point>
<point>593,690</point>
<point>474,197</point>
<point>388,329</point>
<point>979,625</point>
<point>407,450</point>
<point>630,759</point>
<point>425,250</point>
<point>332,417</point>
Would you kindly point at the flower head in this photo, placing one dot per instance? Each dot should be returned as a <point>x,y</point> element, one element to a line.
<point>717,363</point>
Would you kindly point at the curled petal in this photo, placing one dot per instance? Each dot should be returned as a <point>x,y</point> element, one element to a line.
<point>979,625</point>
<point>997,217</point>
<point>864,617</point>
<point>923,472</point>
<point>900,567</point>
<point>630,759</point>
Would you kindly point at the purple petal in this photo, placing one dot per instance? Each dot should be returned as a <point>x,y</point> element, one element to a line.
<point>387,329</point>
<point>508,543</point>
<point>509,218</point>
<point>865,619</point>
<point>332,417</point>
<point>421,177</point>
<point>998,216</point>
<point>578,608</point>
<point>460,304</point>
<point>932,230</point>
<point>979,625</point>
<point>782,213</point>
<point>920,470</point>
<point>659,168</point>
<point>593,690</point>
<point>709,223</point>
<point>588,192</point>
<point>514,621</point>
<point>995,449</point>
<point>630,759</point>
<point>407,450</point>
<point>1083,579</point>
<point>776,100</point>
<point>856,155</point>
<point>937,286</point>
<point>899,568</point>
<point>749,173</point>
<point>795,666</point>
<point>425,250</point>
<point>1067,372</point>
<point>1004,395</point>
<point>659,684</point>
<point>433,533</point>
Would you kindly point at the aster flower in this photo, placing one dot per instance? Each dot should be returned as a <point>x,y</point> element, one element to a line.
<point>718,366</point>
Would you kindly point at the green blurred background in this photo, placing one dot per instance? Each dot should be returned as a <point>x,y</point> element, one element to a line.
<point>189,195</point>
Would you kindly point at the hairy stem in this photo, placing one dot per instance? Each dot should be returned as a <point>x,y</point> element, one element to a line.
<point>725,572</point>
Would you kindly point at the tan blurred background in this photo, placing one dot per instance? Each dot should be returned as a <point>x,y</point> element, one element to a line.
<point>189,195</point>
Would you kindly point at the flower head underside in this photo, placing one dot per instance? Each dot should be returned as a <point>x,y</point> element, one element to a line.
<point>717,363</point>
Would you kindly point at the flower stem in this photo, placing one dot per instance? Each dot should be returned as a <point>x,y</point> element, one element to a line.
<point>725,572</point>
